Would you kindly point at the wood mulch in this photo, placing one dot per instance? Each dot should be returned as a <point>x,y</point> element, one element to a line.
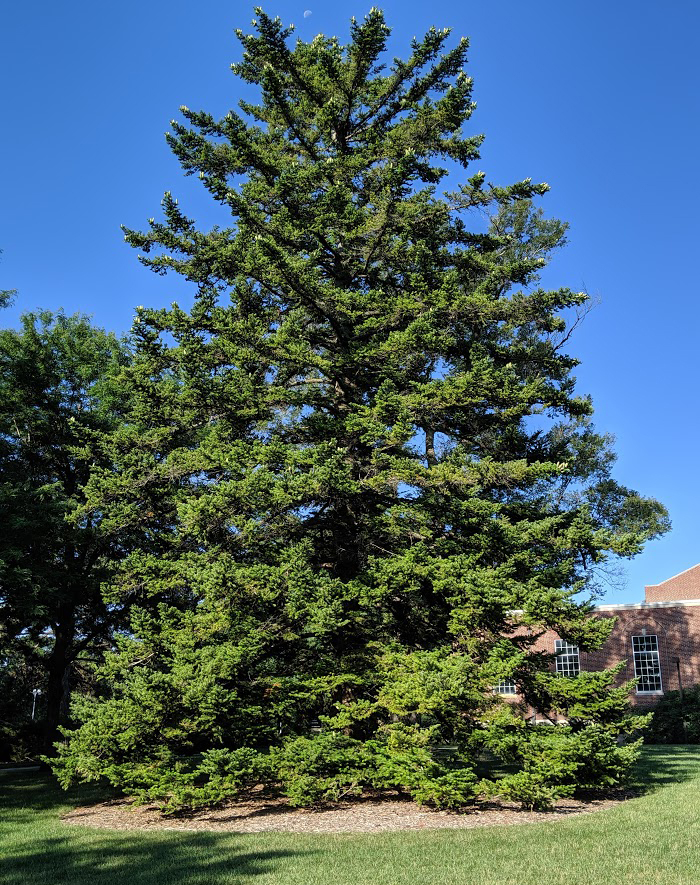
<point>367,815</point>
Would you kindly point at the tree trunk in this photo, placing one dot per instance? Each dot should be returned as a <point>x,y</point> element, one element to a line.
<point>57,683</point>
<point>430,447</point>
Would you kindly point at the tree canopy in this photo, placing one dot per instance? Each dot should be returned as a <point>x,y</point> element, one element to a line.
<point>355,458</point>
<point>57,403</point>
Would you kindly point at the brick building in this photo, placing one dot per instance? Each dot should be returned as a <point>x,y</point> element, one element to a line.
<point>659,639</point>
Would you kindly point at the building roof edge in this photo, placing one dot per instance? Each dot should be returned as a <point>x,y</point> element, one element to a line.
<point>643,606</point>
<point>673,577</point>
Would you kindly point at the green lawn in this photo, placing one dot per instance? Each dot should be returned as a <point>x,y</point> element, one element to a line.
<point>650,840</point>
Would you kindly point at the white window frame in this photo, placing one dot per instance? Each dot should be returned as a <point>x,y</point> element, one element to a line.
<point>647,662</point>
<point>568,658</point>
<point>506,687</point>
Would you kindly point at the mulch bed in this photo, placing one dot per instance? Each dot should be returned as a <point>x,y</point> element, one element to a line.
<point>368,815</point>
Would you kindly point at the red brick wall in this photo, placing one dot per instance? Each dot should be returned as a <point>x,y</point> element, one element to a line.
<point>677,628</point>
<point>686,585</point>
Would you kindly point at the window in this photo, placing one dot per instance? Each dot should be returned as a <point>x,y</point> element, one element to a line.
<point>505,686</point>
<point>647,668</point>
<point>567,658</point>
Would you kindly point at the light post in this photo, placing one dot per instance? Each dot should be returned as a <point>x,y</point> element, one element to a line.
<point>36,692</point>
<point>677,662</point>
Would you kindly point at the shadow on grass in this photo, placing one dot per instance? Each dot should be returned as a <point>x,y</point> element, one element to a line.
<point>37,849</point>
<point>657,766</point>
<point>660,765</point>
<point>134,859</point>
<point>27,796</point>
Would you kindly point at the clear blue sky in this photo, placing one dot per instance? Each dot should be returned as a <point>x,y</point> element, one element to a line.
<point>600,99</point>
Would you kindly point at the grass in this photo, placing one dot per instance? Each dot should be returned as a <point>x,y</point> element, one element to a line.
<point>651,840</point>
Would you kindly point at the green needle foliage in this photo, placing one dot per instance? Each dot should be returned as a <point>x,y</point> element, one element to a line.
<point>353,459</point>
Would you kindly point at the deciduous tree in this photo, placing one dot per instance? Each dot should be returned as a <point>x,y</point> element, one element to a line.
<point>57,401</point>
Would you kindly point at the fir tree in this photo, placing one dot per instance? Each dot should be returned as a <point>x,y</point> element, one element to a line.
<point>354,458</point>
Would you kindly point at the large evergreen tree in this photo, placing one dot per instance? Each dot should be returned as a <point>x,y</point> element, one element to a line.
<point>355,457</point>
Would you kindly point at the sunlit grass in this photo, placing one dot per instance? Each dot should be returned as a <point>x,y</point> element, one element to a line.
<point>652,839</point>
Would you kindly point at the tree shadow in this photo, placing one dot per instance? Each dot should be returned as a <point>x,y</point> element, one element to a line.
<point>663,764</point>
<point>137,859</point>
<point>27,793</point>
<point>40,852</point>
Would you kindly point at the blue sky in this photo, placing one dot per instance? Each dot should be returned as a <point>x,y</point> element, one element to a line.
<point>598,99</point>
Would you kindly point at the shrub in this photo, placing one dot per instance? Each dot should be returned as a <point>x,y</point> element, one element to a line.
<point>589,758</point>
<point>20,741</point>
<point>528,788</point>
<point>321,768</point>
<point>329,766</point>
<point>404,761</point>
<point>177,784</point>
<point>558,760</point>
<point>676,720</point>
<point>451,790</point>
